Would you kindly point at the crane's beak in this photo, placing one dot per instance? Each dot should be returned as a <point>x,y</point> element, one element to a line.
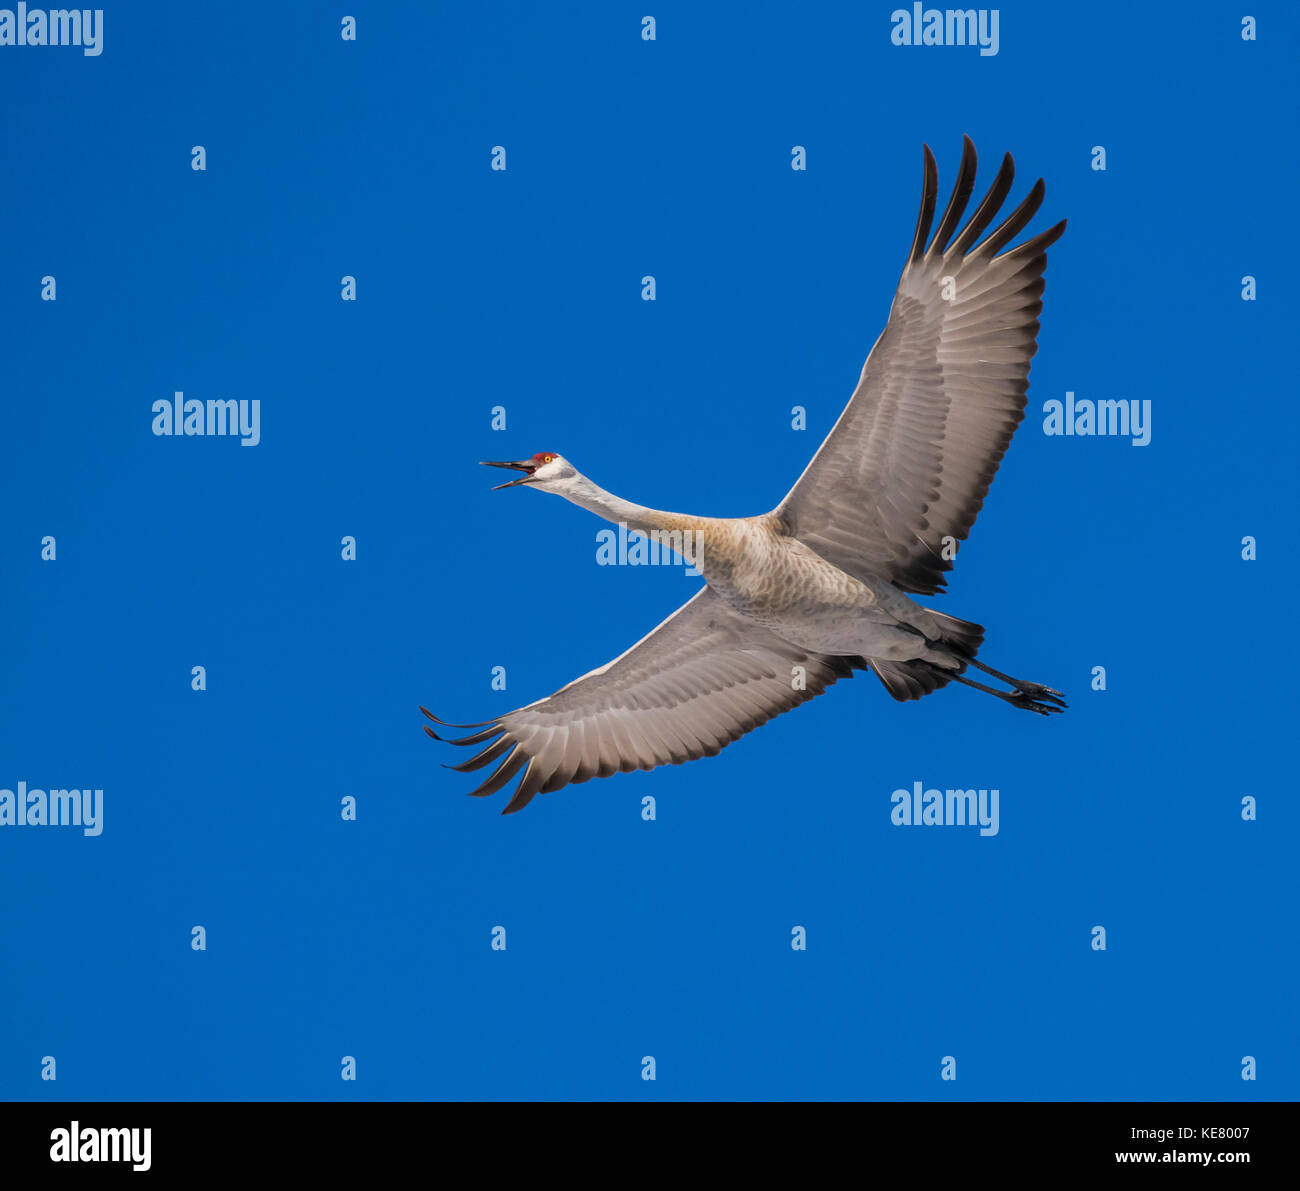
<point>525,465</point>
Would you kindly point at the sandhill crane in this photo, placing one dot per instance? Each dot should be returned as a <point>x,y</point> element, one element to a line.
<point>821,586</point>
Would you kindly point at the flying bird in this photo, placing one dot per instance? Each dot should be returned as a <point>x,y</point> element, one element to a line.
<point>821,586</point>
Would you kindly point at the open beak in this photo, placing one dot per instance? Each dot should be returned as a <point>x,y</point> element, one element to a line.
<point>524,465</point>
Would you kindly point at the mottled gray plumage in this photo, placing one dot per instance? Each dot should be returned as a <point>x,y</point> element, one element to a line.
<point>803,596</point>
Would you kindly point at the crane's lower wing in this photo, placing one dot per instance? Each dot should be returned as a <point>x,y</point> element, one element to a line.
<point>702,679</point>
<point>912,456</point>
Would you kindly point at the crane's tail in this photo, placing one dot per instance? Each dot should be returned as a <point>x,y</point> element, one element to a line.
<point>910,680</point>
<point>916,679</point>
<point>965,634</point>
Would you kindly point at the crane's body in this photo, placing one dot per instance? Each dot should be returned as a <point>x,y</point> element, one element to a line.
<point>764,573</point>
<point>777,581</point>
<point>822,585</point>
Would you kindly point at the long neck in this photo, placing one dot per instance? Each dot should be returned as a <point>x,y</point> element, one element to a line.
<point>581,491</point>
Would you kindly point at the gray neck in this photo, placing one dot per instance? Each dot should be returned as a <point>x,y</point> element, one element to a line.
<point>581,491</point>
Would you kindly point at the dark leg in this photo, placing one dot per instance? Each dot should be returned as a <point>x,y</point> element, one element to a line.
<point>1035,690</point>
<point>1023,696</point>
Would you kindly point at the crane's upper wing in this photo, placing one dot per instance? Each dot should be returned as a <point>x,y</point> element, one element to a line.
<point>913,454</point>
<point>702,679</point>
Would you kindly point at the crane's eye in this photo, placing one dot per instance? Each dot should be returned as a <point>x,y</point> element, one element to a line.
<point>547,458</point>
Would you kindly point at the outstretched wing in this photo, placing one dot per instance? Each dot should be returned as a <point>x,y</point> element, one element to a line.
<point>913,454</point>
<point>702,679</point>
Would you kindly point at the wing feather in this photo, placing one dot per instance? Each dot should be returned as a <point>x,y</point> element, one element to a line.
<point>911,458</point>
<point>700,680</point>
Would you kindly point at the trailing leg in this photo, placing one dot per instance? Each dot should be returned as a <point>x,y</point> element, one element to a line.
<point>1026,697</point>
<point>1035,689</point>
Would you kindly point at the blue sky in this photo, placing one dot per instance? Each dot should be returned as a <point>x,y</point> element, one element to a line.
<point>478,288</point>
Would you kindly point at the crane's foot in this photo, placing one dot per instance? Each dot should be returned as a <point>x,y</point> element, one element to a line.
<point>1034,691</point>
<point>1029,702</point>
<point>1038,692</point>
<point>1028,696</point>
